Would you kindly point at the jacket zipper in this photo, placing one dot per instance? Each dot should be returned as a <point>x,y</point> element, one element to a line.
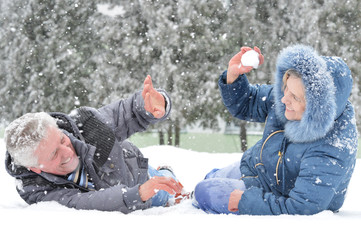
<point>277,166</point>
<point>280,155</point>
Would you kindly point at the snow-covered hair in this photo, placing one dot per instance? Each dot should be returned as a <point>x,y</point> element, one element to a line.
<point>23,135</point>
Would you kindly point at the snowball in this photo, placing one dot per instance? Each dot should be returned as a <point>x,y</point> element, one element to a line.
<point>250,58</point>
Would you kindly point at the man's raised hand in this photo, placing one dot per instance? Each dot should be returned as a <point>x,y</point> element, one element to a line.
<point>153,101</point>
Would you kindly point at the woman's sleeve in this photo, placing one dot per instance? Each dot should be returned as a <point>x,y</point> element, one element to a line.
<point>245,101</point>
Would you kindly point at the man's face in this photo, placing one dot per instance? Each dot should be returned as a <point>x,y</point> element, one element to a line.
<point>56,154</point>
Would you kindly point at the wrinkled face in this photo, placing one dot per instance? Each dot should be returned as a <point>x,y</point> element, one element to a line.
<point>294,98</point>
<point>56,154</point>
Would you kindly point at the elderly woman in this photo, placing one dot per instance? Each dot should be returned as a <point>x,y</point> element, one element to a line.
<point>305,159</point>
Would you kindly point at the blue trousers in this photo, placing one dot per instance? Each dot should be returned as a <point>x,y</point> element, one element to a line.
<point>212,194</point>
<point>162,197</point>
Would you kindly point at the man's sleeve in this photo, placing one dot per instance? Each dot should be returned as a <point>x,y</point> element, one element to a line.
<point>117,198</point>
<point>128,116</point>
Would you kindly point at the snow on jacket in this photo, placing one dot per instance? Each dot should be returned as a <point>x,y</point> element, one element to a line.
<point>298,167</point>
<point>116,180</point>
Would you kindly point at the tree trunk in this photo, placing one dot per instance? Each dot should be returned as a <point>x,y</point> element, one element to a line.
<point>243,136</point>
<point>177,134</point>
<point>170,135</point>
<point>161,137</point>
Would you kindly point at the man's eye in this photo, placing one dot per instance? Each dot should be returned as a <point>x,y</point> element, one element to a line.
<point>62,139</point>
<point>55,155</point>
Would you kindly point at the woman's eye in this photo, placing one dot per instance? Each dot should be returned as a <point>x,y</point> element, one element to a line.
<point>297,99</point>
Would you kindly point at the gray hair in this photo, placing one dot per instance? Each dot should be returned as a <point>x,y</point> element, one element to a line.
<point>23,135</point>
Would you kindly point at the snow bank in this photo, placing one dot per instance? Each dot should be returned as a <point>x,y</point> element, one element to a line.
<point>111,11</point>
<point>51,220</point>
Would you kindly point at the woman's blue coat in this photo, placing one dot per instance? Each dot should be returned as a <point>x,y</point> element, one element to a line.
<point>298,167</point>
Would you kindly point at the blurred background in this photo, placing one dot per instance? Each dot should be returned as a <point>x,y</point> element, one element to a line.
<point>57,55</point>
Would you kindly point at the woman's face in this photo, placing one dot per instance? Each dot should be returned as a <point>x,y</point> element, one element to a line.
<point>294,98</point>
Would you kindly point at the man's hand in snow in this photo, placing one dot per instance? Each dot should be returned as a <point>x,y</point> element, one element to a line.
<point>153,185</point>
<point>153,101</point>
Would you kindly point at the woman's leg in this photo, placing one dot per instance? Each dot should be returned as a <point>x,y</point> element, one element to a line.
<point>212,195</point>
<point>232,171</point>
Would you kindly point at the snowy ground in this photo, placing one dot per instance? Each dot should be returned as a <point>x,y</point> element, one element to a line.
<point>53,221</point>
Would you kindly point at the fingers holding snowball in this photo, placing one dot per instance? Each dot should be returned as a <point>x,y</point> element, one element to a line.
<point>250,59</point>
<point>261,57</point>
<point>243,62</point>
<point>245,49</point>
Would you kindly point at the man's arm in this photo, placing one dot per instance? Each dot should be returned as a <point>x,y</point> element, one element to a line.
<point>134,114</point>
<point>117,198</point>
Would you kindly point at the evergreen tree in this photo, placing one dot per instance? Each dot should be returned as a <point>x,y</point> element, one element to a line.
<point>192,45</point>
<point>59,54</point>
<point>48,53</point>
<point>179,43</point>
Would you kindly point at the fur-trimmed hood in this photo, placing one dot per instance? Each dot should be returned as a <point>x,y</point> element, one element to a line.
<point>328,84</point>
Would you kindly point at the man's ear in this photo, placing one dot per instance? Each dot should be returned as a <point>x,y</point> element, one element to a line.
<point>36,170</point>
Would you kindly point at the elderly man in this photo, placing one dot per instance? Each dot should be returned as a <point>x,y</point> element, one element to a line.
<point>83,160</point>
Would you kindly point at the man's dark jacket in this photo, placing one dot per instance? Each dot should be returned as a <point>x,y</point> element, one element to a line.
<point>115,166</point>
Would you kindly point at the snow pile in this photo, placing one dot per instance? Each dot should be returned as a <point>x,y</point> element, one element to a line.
<point>181,221</point>
<point>250,59</point>
<point>111,11</point>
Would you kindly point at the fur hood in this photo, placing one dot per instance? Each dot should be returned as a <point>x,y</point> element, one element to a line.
<point>328,84</point>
